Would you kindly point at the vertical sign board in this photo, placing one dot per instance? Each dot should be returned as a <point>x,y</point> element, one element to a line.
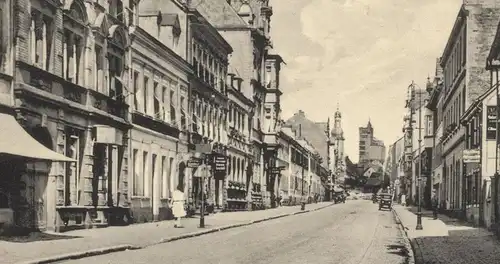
<point>491,122</point>
<point>220,166</point>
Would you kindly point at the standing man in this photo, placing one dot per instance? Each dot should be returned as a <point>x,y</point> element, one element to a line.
<point>435,204</point>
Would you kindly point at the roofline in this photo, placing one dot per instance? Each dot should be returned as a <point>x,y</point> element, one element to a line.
<point>459,21</point>
<point>475,105</point>
<point>211,29</point>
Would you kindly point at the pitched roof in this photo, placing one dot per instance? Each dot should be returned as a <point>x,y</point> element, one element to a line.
<point>218,13</point>
<point>311,131</point>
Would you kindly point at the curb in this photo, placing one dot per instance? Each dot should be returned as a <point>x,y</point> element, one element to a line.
<point>412,259</point>
<point>119,248</point>
<point>83,254</point>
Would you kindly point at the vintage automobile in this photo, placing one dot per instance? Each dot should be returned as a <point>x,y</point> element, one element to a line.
<point>385,201</point>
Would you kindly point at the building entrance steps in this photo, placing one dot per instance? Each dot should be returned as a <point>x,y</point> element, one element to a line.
<point>446,240</point>
<point>90,242</point>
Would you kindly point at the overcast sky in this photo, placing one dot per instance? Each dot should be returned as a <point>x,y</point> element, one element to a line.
<point>363,53</point>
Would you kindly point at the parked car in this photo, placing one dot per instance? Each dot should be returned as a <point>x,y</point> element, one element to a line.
<point>385,201</point>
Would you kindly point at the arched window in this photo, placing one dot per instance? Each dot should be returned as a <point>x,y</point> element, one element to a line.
<point>75,19</point>
<point>116,62</point>
<point>99,62</point>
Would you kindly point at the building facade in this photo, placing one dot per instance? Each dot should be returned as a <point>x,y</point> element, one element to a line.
<point>72,99</point>
<point>465,79</point>
<point>209,104</point>
<point>370,148</point>
<point>246,25</point>
<point>159,107</point>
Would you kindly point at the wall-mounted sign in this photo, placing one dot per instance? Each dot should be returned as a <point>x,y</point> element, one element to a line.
<point>471,156</point>
<point>107,135</point>
<point>491,122</point>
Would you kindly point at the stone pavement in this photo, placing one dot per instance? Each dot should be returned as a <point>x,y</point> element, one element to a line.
<point>82,243</point>
<point>447,240</point>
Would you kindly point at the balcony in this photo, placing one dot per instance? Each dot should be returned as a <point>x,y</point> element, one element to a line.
<point>116,107</point>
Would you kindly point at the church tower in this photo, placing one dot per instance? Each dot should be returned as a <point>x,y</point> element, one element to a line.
<point>338,135</point>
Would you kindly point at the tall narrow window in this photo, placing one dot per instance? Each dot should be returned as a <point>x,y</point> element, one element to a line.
<point>164,103</point>
<point>40,39</point>
<point>145,89</point>
<point>172,107</point>
<point>145,172</point>
<point>137,93</point>
<point>116,59</point>
<point>164,178</point>
<point>183,113</point>
<point>73,43</point>
<point>137,175</point>
<point>158,111</point>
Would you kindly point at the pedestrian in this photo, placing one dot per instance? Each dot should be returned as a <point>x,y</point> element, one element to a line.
<point>178,203</point>
<point>403,199</point>
<point>435,203</point>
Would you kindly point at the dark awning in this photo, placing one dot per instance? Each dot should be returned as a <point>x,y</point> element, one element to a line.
<point>14,140</point>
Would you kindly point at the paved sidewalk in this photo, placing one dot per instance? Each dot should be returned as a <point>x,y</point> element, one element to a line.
<point>447,240</point>
<point>111,239</point>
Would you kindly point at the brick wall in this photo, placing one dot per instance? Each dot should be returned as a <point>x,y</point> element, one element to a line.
<point>481,29</point>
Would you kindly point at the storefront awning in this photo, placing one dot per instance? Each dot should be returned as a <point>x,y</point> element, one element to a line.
<point>14,140</point>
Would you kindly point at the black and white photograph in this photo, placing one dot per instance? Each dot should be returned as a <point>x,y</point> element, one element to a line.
<point>250,131</point>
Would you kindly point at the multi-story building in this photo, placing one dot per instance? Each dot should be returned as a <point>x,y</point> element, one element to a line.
<point>245,25</point>
<point>159,107</point>
<point>435,130</point>
<point>304,176</point>
<point>73,100</point>
<point>465,79</point>
<point>370,148</point>
<point>208,53</point>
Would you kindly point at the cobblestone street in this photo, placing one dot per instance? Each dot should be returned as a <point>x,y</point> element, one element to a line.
<point>139,235</point>
<point>447,241</point>
<point>351,233</point>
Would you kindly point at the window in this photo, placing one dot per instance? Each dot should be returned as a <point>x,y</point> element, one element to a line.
<point>74,43</point>
<point>170,171</point>
<point>40,39</point>
<point>99,68</point>
<point>145,172</point>
<point>164,178</point>
<point>116,9</point>
<point>158,109</point>
<point>132,15</point>
<point>183,113</point>
<point>137,94</point>
<point>116,53</point>
<point>172,107</point>
<point>137,188</point>
<point>145,87</point>
<point>428,125</point>
<point>164,102</point>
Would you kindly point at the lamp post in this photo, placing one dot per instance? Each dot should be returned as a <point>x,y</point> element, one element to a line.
<point>419,182</point>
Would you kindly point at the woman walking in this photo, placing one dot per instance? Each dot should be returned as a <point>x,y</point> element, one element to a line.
<point>178,209</point>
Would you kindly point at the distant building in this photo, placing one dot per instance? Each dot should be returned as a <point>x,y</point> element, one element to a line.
<point>370,148</point>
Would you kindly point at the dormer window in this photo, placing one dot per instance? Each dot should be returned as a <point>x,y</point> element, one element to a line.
<point>172,25</point>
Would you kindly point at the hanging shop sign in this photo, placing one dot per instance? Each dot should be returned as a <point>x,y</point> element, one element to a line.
<point>107,135</point>
<point>471,156</point>
<point>193,163</point>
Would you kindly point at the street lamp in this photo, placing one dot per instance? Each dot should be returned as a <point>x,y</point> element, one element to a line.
<point>419,182</point>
